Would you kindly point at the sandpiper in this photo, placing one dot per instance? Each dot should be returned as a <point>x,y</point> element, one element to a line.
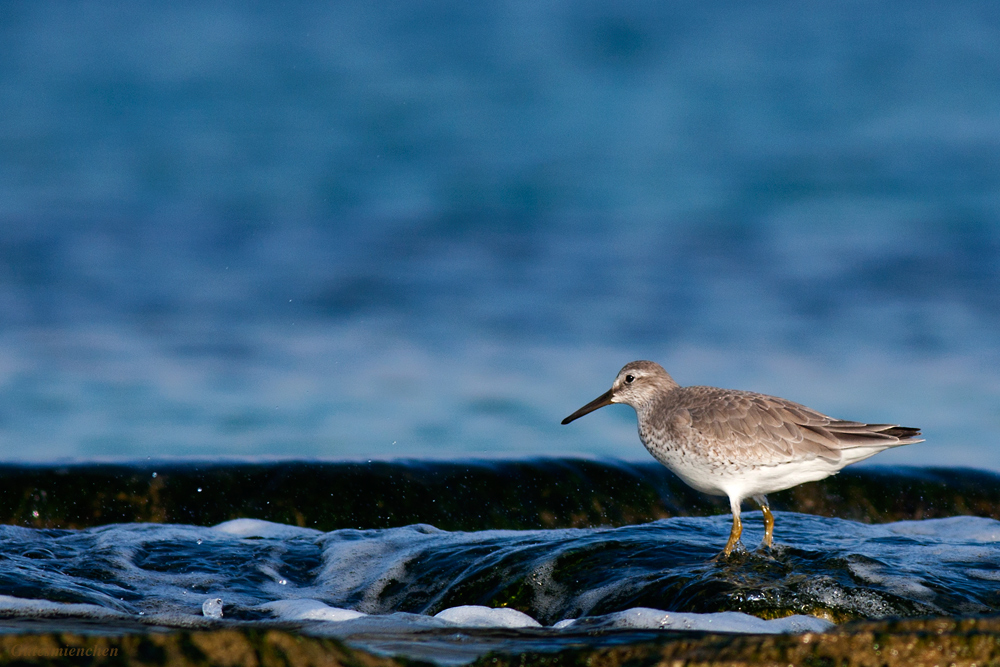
<point>739,444</point>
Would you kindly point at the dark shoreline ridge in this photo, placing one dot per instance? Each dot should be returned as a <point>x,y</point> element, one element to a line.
<point>883,643</point>
<point>512,494</point>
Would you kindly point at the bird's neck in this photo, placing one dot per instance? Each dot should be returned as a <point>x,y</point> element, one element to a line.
<point>652,405</point>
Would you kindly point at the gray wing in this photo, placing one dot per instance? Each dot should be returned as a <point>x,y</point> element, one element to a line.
<point>776,430</point>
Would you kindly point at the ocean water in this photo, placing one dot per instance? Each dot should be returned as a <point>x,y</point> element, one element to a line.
<point>452,596</point>
<point>436,229</point>
<point>447,561</point>
<point>241,241</point>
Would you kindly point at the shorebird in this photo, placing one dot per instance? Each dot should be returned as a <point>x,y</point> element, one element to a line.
<point>726,442</point>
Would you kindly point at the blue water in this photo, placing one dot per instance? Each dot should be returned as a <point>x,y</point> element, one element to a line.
<point>392,589</point>
<point>436,229</point>
<point>447,561</point>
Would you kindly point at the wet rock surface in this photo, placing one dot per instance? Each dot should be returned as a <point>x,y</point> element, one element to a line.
<point>519,495</point>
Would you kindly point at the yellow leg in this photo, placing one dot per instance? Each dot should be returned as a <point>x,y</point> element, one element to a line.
<point>768,520</point>
<point>734,534</point>
<point>768,525</point>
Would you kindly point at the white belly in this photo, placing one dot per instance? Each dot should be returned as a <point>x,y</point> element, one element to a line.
<point>743,480</point>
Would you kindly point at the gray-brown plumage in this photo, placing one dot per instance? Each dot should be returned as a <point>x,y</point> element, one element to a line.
<point>740,444</point>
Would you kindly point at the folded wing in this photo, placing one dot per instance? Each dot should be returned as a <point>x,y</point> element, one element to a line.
<point>775,430</point>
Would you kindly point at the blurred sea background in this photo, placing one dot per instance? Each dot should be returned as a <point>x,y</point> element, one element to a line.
<point>351,230</point>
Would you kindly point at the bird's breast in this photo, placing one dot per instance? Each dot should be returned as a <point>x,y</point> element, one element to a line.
<point>677,445</point>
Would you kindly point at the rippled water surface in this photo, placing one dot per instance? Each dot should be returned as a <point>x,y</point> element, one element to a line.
<point>827,567</point>
<point>336,231</point>
<point>378,587</point>
<point>449,595</point>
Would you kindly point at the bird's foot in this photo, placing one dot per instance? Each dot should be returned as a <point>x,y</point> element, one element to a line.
<point>769,551</point>
<point>736,552</point>
<point>773,550</point>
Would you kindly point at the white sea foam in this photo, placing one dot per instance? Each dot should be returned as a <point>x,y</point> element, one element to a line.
<point>476,616</point>
<point>985,575</point>
<point>267,529</point>
<point>961,529</point>
<point>868,602</point>
<point>368,561</point>
<point>33,608</point>
<point>308,610</point>
<point>465,616</point>
<point>643,618</point>
<point>902,585</point>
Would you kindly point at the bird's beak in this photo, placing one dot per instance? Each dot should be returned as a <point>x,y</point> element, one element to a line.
<point>599,402</point>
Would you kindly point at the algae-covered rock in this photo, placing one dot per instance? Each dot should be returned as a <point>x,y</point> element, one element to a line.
<point>928,641</point>
<point>229,648</point>
<point>540,493</point>
<point>907,643</point>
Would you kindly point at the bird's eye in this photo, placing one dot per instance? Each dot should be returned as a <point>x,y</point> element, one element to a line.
<point>629,378</point>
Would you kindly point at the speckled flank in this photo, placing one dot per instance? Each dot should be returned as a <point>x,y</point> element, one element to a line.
<point>740,444</point>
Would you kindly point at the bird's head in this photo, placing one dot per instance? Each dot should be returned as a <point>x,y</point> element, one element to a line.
<point>637,384</point>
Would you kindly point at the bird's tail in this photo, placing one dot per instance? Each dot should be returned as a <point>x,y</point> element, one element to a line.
<point>903,433</point>
<point>857,434</point>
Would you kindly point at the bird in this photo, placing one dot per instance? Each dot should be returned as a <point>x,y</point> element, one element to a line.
<point>740,444</point>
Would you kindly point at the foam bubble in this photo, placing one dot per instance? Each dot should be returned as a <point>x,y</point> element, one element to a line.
<point>212,608</point>
<point>476,616</point>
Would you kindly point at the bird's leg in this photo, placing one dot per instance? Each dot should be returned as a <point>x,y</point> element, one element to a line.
<point>768,526</point>
<point>734,534</point>
<point>768,520</point>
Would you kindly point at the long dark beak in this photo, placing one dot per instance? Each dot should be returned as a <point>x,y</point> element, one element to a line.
<point>599,402</point>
